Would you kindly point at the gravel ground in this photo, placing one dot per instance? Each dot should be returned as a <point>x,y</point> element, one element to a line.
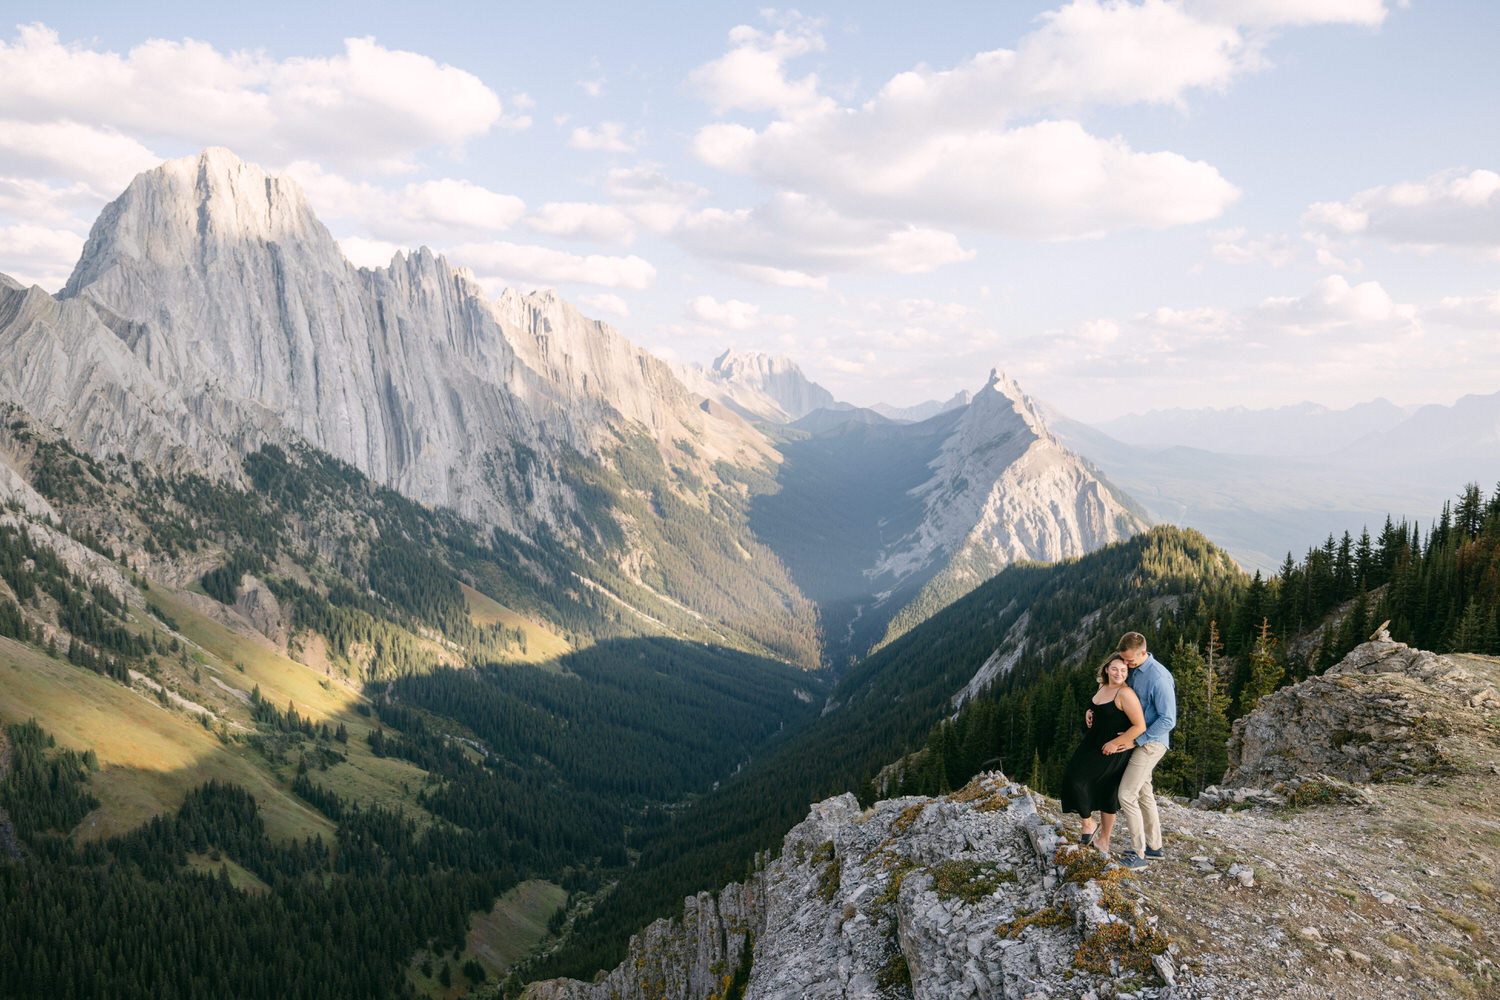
<point>1394,896</point>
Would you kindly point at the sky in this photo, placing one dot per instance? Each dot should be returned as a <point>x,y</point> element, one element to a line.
<point>1125,206</point>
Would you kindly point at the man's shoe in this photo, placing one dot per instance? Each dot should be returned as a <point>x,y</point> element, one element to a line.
<point>1132,860</point>
<point>1155,854</point>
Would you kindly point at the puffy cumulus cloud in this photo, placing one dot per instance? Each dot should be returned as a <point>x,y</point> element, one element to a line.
<point>102,158</point>
<point>1453,209</point>
<point>751,76</point>
<point>425,211</point>
<point>519,265</point>
<point>650,197</point>
<point>1047,180</point>
<point>609,137</point>
<point>576,220</point>
<point>733,314</point>
<point>1333,304</point>
<point>369,104</point>
<point>37,255</point>
<point>799,234</point>
<point>606,303</point>
<point>987,142</point>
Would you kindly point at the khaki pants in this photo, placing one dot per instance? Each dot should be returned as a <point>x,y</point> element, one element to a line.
<point>1138,799</point>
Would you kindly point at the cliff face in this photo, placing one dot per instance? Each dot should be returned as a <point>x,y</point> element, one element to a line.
<point>1004,489</point>
<point>965,895</point>
<point>211,312</point>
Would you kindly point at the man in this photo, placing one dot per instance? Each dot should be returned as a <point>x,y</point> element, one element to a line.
<point>1152,684</point>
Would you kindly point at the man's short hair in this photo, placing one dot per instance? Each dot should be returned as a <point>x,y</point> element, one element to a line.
<point>1130,642</point>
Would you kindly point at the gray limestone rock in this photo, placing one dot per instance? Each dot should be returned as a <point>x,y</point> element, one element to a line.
<point>929,898</point>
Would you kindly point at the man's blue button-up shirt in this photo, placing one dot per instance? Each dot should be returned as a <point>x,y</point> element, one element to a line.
<point>1152,684</point>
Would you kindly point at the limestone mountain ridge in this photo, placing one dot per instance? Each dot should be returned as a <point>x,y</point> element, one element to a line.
<point>211,314</point>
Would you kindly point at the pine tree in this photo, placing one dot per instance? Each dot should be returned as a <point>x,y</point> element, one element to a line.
<point>1265,672</point>
<point>1034,780</point>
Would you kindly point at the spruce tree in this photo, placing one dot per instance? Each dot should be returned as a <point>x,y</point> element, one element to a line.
<point>1265,672</point>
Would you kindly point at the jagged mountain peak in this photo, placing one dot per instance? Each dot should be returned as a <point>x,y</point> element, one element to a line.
<point>191,209</point>
<point>758,385</point>
<point>212,292</point>
<point>733,364</point>
<point>1003,395</point>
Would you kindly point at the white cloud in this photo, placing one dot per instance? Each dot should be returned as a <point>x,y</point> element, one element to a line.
<point>425,212</point>
<point>1337,342</point>
<point>988,142</point>
<point>752,75</point>
<point>606,303</point>
<point>36,255</point>
<point>364,252</point>
<point>651,197</point>
<point>576,220</point>
<point>796,233</point>
<point>1333,303</point>
<point>1290,13</point>
<point>608,138</point>
<point>368,105</point>
<point>538,266</point>
<point>778,276</point>
<point>733,314</point>
<point>35,201</point>
<point>1269,251</point>
<point>1452,209</point>
<point>100,157</point>
<point>1480,312</point>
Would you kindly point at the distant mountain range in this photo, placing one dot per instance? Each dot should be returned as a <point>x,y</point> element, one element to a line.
<point>1305,429</point>
<point>1351,469</point>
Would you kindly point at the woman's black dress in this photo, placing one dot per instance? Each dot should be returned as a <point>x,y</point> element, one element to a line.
<point>1092,781</point>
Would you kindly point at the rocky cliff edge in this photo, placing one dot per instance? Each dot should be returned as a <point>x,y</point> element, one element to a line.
<point>1353,852</point>
<point>972,894</point>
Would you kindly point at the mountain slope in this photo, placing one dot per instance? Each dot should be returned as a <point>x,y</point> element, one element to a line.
<point>885,524</point>
<point>211,314</point>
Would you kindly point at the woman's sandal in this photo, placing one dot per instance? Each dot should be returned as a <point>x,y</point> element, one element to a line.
<point>1086,838</point>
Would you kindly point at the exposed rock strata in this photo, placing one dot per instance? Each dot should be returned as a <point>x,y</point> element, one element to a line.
<point>855,899</point>
<point>1385,712</point>
<point>212,312</point>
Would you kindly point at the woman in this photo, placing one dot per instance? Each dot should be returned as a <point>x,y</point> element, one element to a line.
<point>1092,780</point>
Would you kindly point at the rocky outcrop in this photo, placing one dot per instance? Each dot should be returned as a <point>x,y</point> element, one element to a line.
<point>1385,712</point>
<point>973,894</point>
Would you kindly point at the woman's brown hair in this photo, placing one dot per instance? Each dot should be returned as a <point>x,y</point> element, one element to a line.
<point>1102,676</point>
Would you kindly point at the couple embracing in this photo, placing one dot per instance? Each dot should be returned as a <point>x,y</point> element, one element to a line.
<point>1128,721</point>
